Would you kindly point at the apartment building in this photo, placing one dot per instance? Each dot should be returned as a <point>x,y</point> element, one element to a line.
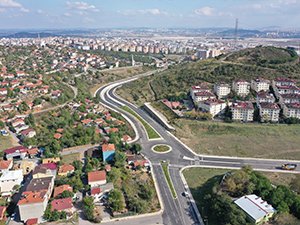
<point>242,111</point>
<point>291,110</point>
<point>269,111</point>
<point>241,87</point>
<point>222,90</point>
<point>213,106</point>
<point>260,84</point>
<point>264,96</point>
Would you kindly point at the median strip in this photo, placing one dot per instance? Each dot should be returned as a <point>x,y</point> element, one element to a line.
<point>152,134</point>
<point>165,168</point>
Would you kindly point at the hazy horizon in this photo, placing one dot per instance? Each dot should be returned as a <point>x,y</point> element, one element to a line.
<point>66,14</point>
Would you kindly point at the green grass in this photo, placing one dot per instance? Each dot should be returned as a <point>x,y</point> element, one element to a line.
<point>152,134</point>
<point>243,140</point>
<point>165,168</point>
<point>5,142</point>
<point>69,159</point>
<point>161,148</point>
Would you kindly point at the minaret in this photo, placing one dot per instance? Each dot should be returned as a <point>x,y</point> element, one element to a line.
<point>132,61</point>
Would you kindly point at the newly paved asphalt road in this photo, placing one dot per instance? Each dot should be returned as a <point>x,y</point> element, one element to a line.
<point>176,211</point>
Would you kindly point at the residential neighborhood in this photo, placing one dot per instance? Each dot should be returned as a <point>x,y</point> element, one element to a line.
<point>274,101</point>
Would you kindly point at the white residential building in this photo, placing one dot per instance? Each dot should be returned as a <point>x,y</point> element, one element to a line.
<point>260,84</point>
<point>199,88</point>
<point>263,96</point>
<point>222,90</point>
<point>202,96</point>
<point>258,210</point>
<point>269,111</point>
<point>292,110</point>
<point>283,81</point>
<point>213,106</point>
<point>241,87</point>
<point>9,179</point>
<point>242,111</point>
<point>289,98</point>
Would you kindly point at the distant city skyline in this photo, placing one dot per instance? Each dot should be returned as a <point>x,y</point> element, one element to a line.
<point>254,14</point>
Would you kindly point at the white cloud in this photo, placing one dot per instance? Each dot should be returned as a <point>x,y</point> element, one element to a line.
<point>84,6</point>
<point>205,11</point>
<point>154,12</point>
<point>11,4</point>
<point>67,14</point>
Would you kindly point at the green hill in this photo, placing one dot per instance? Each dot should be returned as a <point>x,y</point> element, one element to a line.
<point>263,56</point>
<point>246,64</point>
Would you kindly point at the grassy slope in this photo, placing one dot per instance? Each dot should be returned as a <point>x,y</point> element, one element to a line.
<point>6,142</point>
<point>246,140</point>
<point>180,78</point>
<point>152,134</point>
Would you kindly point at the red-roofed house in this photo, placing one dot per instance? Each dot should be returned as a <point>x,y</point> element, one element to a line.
<point>96,178</point>
<point>96,193</point>
<point>15,152</point>
<point>5,165</point>
<point>60,189</point>
<point>65,170</point>
<point>63,204</point>
<point>108,152</point>
<point>32,205</point>
<point>242,111</point>
<point>57,135</point>
<point>28,133</point>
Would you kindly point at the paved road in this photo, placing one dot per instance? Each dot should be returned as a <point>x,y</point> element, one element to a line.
<point>176,211</point>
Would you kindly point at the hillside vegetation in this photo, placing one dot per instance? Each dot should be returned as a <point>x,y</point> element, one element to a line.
<point>263,56</point>
<point>267,62</point>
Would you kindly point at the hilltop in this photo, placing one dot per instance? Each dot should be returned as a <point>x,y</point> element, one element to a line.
<point>267,62</point>
<point>263,56</point>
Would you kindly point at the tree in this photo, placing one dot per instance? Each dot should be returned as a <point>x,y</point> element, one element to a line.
<point>88,208</point>
<point>136,148</point>
<point>295,184</point>
<point>65,194</point>
<point>120,159</point>
<point>146,192</point>
<point>116,200</point>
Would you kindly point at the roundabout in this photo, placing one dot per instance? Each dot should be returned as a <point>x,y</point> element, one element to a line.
<point>161,148</point>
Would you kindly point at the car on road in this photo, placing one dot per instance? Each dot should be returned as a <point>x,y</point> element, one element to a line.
<point>185,194</point>
<point>289,166</point>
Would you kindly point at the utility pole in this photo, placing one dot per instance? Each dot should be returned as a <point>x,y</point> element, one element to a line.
<point>236,32</point>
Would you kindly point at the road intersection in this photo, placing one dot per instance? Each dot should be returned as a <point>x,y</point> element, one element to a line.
<point>182,210</point>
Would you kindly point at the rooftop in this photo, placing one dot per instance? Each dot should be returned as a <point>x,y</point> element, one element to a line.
<point>242,105</point>
<point>30,197</point>
<point>11,175</point>
<point>254,206</point>
<point>97,176</point>
<point>4,164</point>
<point>267,105</point>
<point>38,184</point>
<point>108,147</point>
<point>60,189</point>
<point>293,105</point>
<point>66,168</point>
<point>61,204</point>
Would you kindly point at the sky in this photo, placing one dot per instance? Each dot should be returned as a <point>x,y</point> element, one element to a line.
<point>49,14</point>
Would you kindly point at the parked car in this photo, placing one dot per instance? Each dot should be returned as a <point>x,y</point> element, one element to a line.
<point>289,166</point>
<point>185,194</point>
<point>4,133</point>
